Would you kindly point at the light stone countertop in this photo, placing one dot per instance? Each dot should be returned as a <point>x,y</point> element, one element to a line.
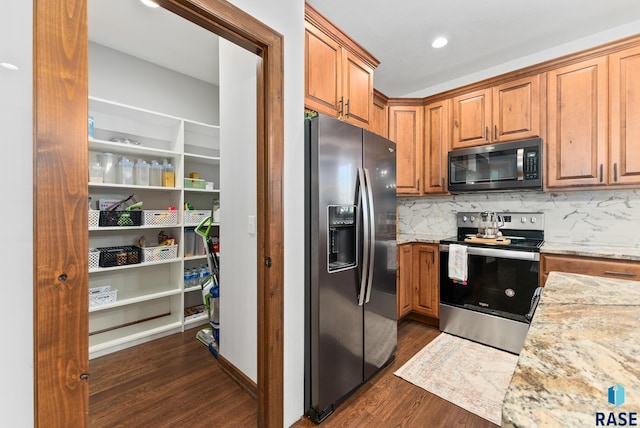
<point>584,338</point>
<point>609,252</point>
<point>407,238</point>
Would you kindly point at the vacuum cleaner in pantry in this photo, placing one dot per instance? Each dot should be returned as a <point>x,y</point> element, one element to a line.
<point>210,335</point>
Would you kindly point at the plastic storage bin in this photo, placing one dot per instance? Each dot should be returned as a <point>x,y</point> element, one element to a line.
<point>160,217</point>
<point>194,217</point>
<point>159,253</point>
<point>120,218</point>
<point>119,256</point>
<point>99,296</point>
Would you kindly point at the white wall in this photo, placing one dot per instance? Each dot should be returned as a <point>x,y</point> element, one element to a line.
<point>287,17</point>
<point>116,76</point>
<point>238,247</point>
<point>16,316</point>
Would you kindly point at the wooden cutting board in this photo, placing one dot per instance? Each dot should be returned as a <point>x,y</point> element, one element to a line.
<point>496,241</point>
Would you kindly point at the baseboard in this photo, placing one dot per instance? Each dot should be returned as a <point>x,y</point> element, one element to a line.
<point>240,378</point>
<point>423,319</point>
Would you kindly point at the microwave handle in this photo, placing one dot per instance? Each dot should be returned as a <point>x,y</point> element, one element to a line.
<point>520,163</point>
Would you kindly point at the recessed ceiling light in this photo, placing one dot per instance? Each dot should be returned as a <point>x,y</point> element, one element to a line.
<point>150,3</point>
<point>8,66</point>
<point>439,42</point>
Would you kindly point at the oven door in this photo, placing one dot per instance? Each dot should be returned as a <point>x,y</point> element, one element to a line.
<point>500,282</point>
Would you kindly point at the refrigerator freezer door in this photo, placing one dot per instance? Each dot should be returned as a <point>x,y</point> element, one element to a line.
<point>380,326</point>
<point>335,319</point>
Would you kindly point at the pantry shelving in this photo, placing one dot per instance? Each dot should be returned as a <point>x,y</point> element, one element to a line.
<point>152,299</point>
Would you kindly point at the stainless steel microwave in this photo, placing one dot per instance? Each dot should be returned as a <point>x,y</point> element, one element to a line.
<point>497,167</point>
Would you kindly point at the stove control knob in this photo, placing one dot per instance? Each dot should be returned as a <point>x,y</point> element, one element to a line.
<point>523,219</point>
<point>464,219</point>
<point>533,220</point>
<point>472,219</point>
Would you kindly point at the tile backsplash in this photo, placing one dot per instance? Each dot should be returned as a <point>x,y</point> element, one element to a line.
<point>599,217</point>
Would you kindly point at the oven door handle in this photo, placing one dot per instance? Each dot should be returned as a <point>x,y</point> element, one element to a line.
<point>497,252</point>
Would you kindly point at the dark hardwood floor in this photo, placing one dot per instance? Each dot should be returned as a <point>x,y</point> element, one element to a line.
<point>176,382</point>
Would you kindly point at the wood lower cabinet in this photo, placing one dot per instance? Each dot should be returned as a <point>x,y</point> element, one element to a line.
<point>338,72</point>
<point>418,280</point>
<point>425,278</point>
<point>506,112</point>
<point>577,112</point>
<point>404,290</point>
<point>407,131</point>
<point>609,268</point>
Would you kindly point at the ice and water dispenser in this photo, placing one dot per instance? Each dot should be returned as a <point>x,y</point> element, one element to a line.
<point>341,239</point>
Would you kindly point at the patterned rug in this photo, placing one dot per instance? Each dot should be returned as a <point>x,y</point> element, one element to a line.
<point>465,373</point>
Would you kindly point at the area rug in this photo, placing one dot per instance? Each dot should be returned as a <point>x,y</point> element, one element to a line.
<point>465,373</point>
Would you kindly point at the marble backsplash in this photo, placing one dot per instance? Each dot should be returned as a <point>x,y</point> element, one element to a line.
<point>599,217</point>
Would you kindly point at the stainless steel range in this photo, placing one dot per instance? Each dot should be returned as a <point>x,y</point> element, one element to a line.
<point>489,277</point>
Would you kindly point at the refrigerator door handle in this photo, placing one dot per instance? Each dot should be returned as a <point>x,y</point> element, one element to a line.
<point>372,234</point>
<point>363,207</point>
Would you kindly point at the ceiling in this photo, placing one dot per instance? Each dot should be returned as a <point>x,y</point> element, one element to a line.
<point>155,35</point>
<point>482,35</point>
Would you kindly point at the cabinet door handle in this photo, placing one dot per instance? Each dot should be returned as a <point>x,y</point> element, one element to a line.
<point>347,108</point>
<point>612,272</point>
<point>418,185</point>
<point>495,132</point>
<point>341,102</point>
<point>442,182</point>
<point>601,172</point>
<point>615,171</point>
<point>455,123</point>
<point>486,133</point>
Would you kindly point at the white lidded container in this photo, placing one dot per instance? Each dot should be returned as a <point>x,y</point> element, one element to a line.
<point>124,171</point>
<point>95,173</point>
<point>141,171</point>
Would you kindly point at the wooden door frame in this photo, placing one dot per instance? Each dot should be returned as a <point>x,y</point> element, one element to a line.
<point>60,245</point>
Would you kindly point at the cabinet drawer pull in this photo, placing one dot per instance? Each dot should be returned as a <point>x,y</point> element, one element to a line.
<point>612,272</point>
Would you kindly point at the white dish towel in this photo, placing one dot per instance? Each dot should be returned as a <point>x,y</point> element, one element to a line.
<point>458,262</point>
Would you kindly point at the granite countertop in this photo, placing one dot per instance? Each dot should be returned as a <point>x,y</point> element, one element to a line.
<point>606,251</point>
<point>407,238</point>
<point>584,339</point>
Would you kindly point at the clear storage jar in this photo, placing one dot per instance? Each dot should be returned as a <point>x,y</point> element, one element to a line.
<point>108,162</point>
<point>95,173</point>
<point>155,174</point>
<point>168,176</point>
<point>124,171</point>
<point>141,173</point>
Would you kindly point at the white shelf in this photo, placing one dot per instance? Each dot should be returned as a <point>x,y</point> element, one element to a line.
<point>196,319</point>
<point>135,265</point>
<point>129,149</point>
<point>136,299</point>
<point>113,338</point>
<point>191,147</point>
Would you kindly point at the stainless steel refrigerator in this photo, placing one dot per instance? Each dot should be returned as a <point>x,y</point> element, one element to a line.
<point>350,290</point>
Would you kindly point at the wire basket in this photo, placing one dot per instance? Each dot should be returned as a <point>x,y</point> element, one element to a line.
<point>119,256</point>
<point>120,218</point>
<point>159,253</point>
<point>94,258</point>
<point>102,296</point>
<point>94,218</point>
<point>160,217</point>
<point>194,217</point>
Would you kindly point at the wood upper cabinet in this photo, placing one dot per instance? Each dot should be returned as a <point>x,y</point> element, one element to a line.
<point>323,72</point>
<point>506,112</point>
<point>407,131</point>
<point>404,290</point>
<point>436,146</point>
<point>594,266</point>
<point>379,115</point>
<point>338,72</point>
<point>577,112</point>
<point>624,110</point>
<point>425,278</point>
